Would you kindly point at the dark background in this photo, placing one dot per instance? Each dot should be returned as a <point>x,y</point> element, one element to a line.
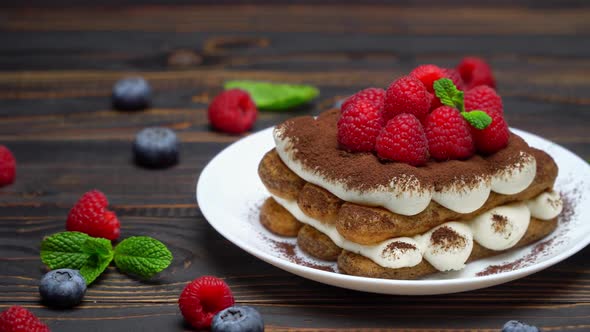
<point>59,60</point>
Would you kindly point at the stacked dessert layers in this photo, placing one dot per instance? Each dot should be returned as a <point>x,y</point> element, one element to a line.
<point>391,219</point>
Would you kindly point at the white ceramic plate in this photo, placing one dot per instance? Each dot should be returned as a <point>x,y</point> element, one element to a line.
<point>230,193</point>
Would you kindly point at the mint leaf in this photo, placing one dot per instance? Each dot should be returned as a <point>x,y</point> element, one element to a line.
<point>478,119</point>
<point>64,250</point>
<point>275,96</point>
<point>79,251</point>
<point>448,93</point>
<point>142,256</point>
<point>101,254</point>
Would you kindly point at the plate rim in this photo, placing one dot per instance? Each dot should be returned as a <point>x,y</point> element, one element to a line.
<point>469,283</point>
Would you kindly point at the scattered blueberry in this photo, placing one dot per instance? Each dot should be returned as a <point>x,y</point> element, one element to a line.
<point>237,319</point>
<point>132,93</point>
<point>516,326</point>
<point>156,147</point>
<point>63,288</point>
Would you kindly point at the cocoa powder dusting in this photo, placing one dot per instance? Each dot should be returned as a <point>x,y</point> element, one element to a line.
<point>568,211</point>
<point>315,145</point>
<point>393,247</point>
<point>499,223</point>
<point>538,249</point>
<point>446,238</point>
<point>288,251</point>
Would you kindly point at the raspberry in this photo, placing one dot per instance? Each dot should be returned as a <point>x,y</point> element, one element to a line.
<point>475,71</point>
<point>483,98</point>
<point>359,126</point>
<point>454,76</point>
<point>202,299</point>
<point>374,95</point>
<point>7,166</point>
<point>90,215</point>
<point>428,74</point>
<point>494,137</point>
<point>19,319</point>
<point>407,95</point>
<point>434,104</point>
<point>448,134</point>
<point>403,140</point>
<point>232,111</point>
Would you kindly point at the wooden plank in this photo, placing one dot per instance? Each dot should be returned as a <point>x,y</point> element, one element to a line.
<point>434,20</point>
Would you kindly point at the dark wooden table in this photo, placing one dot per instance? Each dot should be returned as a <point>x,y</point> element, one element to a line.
<point>57,67</point>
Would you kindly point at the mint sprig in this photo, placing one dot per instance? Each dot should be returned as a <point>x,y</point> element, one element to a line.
<point>141,255</point>
<point>64,249</point>
<point>101,255</point>
<point>275,96</point>
<point>79,251</point>
<point>449,95</point>
<point>478,119</point>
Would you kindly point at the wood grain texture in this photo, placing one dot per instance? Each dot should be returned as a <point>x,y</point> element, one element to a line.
<point>57,67</point>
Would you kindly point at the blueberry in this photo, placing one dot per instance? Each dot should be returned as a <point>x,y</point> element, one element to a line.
<point>516,326</point>
<point>237,319</point>
<point>156,147</point>
<point>132,93</point>
<point>63,288</point>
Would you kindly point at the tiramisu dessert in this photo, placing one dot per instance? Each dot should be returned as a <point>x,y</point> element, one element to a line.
<point>402,183</point>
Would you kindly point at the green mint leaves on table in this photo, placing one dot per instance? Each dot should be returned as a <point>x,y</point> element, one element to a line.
<point>64,249</point>
<point>100,255</point>
<point>275,96</point>
<point>141,255</point>
<point>79,251</point>
<point>449,95</point>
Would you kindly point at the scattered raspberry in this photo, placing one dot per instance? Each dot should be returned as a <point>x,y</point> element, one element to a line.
<point>475,72</point>
<point>90,215</point>
<point>202,299</point>
<point>427,74</point>
<point>403,140</point>
<point>483,98</point>
<point>232,111</point>
<point>374,95</point>
<point>448,134</point>
<point>407,95</point>
<point>494,137</point>
<point>19,319</point>
<point>359,126</point>
<point>454,75</point>
<point>7,166</point>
